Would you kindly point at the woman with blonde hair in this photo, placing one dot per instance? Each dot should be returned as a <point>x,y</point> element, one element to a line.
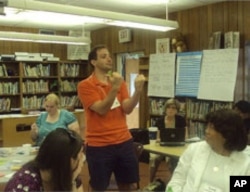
<point>51,119</point>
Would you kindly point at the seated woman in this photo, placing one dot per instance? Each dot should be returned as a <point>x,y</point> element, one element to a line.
<point>56,167</point>
<point>172,120</point>
<point>52,119</point>
<point>208,165</point>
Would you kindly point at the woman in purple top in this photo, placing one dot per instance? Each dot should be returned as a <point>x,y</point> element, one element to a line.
<point>56,167</point>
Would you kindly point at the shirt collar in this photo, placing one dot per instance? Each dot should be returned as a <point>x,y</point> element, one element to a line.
<point>94,79</point>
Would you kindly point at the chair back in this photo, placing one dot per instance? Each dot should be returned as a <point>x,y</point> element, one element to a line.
<point>140,135</point>
<point>138,147</point>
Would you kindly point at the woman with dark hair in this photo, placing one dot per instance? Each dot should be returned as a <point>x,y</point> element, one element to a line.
<point>208,165</point>
<point>170,120</point>
<point>56,167</point>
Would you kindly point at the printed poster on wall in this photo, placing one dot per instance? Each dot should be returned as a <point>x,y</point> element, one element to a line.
<point>161,75</point>
<point>218,74</point>
<point>188,66</point>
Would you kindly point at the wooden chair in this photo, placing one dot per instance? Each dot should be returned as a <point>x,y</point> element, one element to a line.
<point>138,147</point>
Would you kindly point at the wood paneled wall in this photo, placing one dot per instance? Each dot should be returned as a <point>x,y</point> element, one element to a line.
<point>10,47</point>
<point>195,24</point>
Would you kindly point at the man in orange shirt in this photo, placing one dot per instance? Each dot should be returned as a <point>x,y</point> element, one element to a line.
<point>109,144</point>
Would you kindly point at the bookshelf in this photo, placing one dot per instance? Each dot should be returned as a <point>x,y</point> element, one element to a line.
<point>193,109</point>
<point>24,85</point>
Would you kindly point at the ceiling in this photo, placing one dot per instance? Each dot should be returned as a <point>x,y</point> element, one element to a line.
<point>149,8</point>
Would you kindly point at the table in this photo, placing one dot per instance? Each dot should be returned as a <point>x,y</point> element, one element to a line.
<point>11,159</point>
<point>175,151</point>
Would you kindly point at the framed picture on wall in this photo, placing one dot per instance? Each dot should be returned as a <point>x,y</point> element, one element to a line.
<point>162,45</point>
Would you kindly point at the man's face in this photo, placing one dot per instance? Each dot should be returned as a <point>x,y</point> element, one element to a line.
<point>103,61</point>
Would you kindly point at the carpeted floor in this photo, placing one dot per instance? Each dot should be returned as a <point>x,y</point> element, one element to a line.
<point>162,173</point>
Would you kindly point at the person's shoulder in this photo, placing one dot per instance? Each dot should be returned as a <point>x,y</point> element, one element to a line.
<point>65,111</point>
<point>90,81</point>
<point>199,145</point>
<point>43,114</point>
<point>85,81</point>
<point>247,150</point>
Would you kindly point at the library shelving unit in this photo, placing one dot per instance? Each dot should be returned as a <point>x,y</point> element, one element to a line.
<point>71,73</point>
<point>196,111</point>
<point>193,109</point>
<point>24,85</point>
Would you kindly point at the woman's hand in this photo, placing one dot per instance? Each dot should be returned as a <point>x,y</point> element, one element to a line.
<point>34,131</point>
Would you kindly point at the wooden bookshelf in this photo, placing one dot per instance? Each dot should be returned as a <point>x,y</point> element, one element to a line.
<point>24,85</point>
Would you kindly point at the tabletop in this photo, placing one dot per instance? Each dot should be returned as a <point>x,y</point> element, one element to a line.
<point>175,151</point>
<point>11,159</point>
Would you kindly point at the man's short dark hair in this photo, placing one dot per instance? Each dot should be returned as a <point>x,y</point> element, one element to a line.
<point>93,52</point>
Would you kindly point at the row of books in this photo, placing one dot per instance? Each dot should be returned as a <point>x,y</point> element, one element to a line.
<point>5,104</point>
<point>67,85</point>
<point>157,106</point>
<point>43,70</point>
<point>9,88</point>
<point>3,70</point>
<point>38,86</point>
<point>35,102</point>
<point>198,109</point>
<point>69,70</point>
<point>196,129</point>
<point>70,101</point>
<point>39,70</point>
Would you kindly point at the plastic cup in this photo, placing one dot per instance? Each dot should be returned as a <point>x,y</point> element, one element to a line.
<point>27,148</point>
<point>152,131</point>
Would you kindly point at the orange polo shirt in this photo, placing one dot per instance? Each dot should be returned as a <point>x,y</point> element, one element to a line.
<point>108,129</point>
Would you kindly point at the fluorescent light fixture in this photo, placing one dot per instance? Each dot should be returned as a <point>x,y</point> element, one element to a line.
<point>104,17</point>
<point>41,38</point>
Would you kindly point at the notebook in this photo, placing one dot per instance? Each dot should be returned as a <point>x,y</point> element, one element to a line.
<point>172,137</point>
